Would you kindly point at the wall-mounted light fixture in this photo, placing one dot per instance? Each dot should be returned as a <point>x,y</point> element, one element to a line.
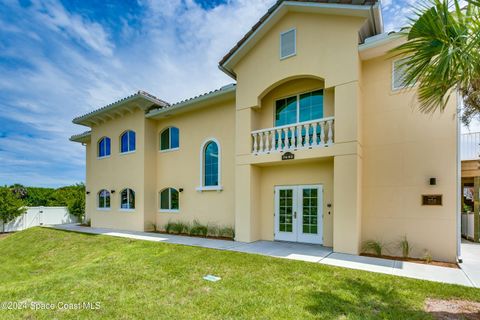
<point>88,192</point>
<point>180,189</point>
<point>433,181</point>
<point>112,191</point>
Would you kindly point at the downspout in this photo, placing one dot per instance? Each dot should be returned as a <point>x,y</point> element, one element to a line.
<point>459,179</point>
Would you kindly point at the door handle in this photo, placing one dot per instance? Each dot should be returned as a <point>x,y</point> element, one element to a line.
<point>295,215</point>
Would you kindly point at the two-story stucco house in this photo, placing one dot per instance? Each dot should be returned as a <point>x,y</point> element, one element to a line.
<point>317,142</point>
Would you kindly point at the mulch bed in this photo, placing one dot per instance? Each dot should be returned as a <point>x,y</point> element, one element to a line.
<point>414,260</point>
<point>193,236</point>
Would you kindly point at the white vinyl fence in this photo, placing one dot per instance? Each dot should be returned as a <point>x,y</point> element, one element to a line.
<point>39,216</point>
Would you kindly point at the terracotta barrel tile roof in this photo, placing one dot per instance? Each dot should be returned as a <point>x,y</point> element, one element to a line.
<point>276,5</point>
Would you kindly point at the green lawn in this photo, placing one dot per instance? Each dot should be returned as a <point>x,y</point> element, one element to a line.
<point>147,280</point>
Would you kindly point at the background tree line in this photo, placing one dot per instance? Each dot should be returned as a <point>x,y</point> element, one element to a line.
<point>14,199</point>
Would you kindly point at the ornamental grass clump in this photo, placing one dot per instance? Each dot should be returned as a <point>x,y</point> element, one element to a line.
<point>198,229</point>
<point>373,246</point>
<point>405,247</point>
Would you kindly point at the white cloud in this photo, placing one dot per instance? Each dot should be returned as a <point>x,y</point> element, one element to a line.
<point>92,34</point>
<point>73,66</point>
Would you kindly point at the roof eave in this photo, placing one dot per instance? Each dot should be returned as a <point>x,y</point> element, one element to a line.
<point>81,138</point>
<point>86,120</point>
<point>201,101</point>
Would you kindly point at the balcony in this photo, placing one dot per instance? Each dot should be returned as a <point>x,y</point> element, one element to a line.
<point>303,135</point>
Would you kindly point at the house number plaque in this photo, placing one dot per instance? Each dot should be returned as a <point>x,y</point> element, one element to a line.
<point>431,200</point>
<point>288,156</point>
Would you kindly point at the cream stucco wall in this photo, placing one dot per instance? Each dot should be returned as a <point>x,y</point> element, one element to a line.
<point>327,48</point>
<point>117,172</point>
<point>181,168</point>
<point>402,150</point>
<point>373,175</point>
<point>318,172</point>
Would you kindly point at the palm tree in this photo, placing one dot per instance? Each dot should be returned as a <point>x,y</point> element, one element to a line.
<point>443,49</point>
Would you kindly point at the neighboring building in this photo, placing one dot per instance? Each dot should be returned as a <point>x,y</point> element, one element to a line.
<point>317,142</point>
<point>470,156</point>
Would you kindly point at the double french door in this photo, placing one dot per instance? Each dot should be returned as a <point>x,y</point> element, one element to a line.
<point>299,213</point>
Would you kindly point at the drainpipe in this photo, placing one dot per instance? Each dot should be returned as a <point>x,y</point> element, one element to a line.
<point>459,179</point>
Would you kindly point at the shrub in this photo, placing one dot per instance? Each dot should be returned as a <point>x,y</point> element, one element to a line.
<point>10,206</point>
<point>212,230</point>
<point>427,256</point>
<point>405,247</point>
<point>177,227</point>
<point>198,229</point>
<point>227,232</point>
<point>373,246</point>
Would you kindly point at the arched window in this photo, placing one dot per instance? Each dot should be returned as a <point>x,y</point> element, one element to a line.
<point>127,141</point>
<point>104,199</point>
<point>127,198</point>
<point>211,167</point>
<point>169,200</point>
<point>169,139</point>
<point>104,147</point>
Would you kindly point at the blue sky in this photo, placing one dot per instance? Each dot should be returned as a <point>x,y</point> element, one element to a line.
<point>61,59</point>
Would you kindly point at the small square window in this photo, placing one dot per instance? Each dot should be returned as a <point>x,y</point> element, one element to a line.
<point>288,46</point>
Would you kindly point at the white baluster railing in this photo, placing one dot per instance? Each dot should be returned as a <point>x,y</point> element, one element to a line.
<point>470,146</point>
<point>303,135</point>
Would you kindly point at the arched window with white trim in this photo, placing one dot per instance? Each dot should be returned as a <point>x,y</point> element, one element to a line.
<point>127,142</point>
<point>127,199</point>
<point>104,199</point>
<point>169,200</point>
<point>170,139</point>
<point>104,147</point>
<point>210,166</point>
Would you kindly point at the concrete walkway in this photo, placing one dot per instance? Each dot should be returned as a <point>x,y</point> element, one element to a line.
<point>468,276</point>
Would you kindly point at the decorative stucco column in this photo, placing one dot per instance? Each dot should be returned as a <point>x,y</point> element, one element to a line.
<point>247,181</point>
<point>347,171</point>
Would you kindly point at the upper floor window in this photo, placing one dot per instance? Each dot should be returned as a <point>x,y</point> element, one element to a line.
<point>288,46</point>
<point>127,199</point>
<point>104,147</point>
<point>169,200</point>
<point>398,74</point>
<point>104,199</point>
<point>169,139</point>
<point>300,108</point>
<point>211,164</point>
<point>127,141</point>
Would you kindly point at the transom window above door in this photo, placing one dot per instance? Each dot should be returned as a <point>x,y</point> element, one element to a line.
<point>299,108</point>
<point>169,139</point>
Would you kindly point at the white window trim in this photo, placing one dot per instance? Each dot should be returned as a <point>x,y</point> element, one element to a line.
<point>202,186</point>
<point>297,96</point>
<point>126,210</point>
<point>397,89</point>
<point>128,198</point>
<point>169,210</point>
<point>128,142</point>
<point>169,150</point>
<point>210,188</point>
<point>294,43</point>
<point>98,148</point>
<point>170,138</point>
<point>128,152</point>
<point>98,201</point>
<point>169,200</point>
